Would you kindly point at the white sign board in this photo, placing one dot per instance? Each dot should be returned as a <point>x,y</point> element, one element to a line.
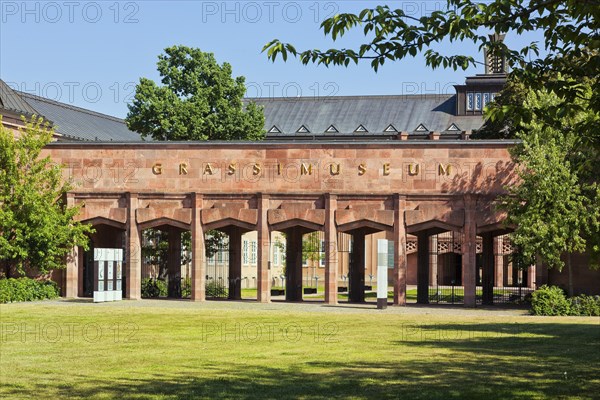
<point>382,268</point>
<point>108,265</point>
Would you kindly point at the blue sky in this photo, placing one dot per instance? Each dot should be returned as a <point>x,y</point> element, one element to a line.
<point>91,53</point>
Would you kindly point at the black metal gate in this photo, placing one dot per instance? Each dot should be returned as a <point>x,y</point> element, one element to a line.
<point>515,285</point>
<point>217,271</point>
<point>445,268</point>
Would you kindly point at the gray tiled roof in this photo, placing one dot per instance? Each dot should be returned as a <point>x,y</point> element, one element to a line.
<point>80,124</point>
<point>350,116</point>
<point>10,100</point>
<point>374,113</point>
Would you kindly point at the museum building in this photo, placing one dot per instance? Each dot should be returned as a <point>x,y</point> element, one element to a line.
<point>338,183</point>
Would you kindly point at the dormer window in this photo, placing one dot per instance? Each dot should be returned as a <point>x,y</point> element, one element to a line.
<point>469,101</point>
<point>478,102</point>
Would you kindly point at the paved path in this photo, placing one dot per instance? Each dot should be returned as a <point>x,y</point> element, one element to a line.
<point>307,306</point>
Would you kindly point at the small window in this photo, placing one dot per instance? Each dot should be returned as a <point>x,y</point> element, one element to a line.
<point>360,129</point>
<point>245,252</point>
<point>275,255</point>
<point>421,128</point>
<point>469,101</point>
<point>253,252</point>
<point>486,99</point>
<point>331,129</point>
<point>303,129</point>
<point>478,101</point>
<point>274,129</point>
<point>390,128</point>
<point>322,254</point>
<point>453,127</point>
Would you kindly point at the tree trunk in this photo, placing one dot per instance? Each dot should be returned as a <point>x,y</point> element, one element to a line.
<point>570,271</point>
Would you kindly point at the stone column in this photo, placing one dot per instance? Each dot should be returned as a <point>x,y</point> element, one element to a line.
<point>499,281</point>
<point>235,263</point>
<point>487,278</point>
<point>469,252</point>
<point>531,274</point>
<point>357,268</point>
<point>433,260</point>
<point>331,250</point>
<point>293,264</point>
<point>399,251</point>
<point>198,251</point>
<point>264,243</point>
<point>174,262</point>
<point>422,268</point>
<point>71,274</point>
<point>134,251</point>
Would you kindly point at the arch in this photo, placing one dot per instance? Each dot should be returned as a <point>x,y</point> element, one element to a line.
<point>367,224</point>
<point>432,227</point>
<point>163,221</point>
<point>104,221</point>
<point>296,222</point>
<point>496,229</point>
<point>223,223</point>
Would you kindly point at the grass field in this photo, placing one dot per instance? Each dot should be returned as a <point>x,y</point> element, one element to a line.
<point>181,350</point>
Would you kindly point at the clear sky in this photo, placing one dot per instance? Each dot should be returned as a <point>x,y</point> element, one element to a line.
<point>91,53</point>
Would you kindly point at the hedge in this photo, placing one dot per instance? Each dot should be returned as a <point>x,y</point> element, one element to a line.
<point>551,300</point>
<point>26,289</point>
<point>153,288</point>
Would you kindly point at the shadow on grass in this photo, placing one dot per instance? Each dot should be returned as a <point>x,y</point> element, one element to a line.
<point>531,360</point>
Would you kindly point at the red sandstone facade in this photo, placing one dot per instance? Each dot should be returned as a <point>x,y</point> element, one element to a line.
<point>398,187</point>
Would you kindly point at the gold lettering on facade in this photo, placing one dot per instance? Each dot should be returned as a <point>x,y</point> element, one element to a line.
<point>386,169</point>
<point>231,169</point>
<point>362,169</point>
<point>444,170</point>
<point>306,169</point>
<point>208,169</point>
<point>183,169</point>
<point>334,169</point>
<point>256,169</point>
<point>413,169</point>
<point>157,169</point>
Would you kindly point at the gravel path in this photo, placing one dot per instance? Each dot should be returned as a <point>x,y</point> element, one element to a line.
<point>306,306</point>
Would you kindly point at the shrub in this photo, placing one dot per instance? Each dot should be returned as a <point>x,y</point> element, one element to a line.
<point>186,288</point>
<point>583,305</point>
<point>153,288</point>
<point>26,289</point>
<point>215,289</point>
<point>550,300</point>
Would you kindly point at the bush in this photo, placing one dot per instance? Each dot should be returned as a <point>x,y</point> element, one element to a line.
<point>550,300</point>
<point>583,305</point>
<point>186,288</point>
<point>215,289</point>
<point>26,289</point>
<point>153,288</point>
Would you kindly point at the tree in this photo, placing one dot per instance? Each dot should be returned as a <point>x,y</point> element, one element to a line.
<point>556,207</point>
<point>199,100</point>
<point>571,36</point>
<point>37,228</point>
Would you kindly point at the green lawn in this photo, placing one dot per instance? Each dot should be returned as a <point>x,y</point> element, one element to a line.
<point>177,350</point>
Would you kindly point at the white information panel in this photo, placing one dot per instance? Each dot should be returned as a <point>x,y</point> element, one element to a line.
<point>382,272</point>
<point>107,275</point>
